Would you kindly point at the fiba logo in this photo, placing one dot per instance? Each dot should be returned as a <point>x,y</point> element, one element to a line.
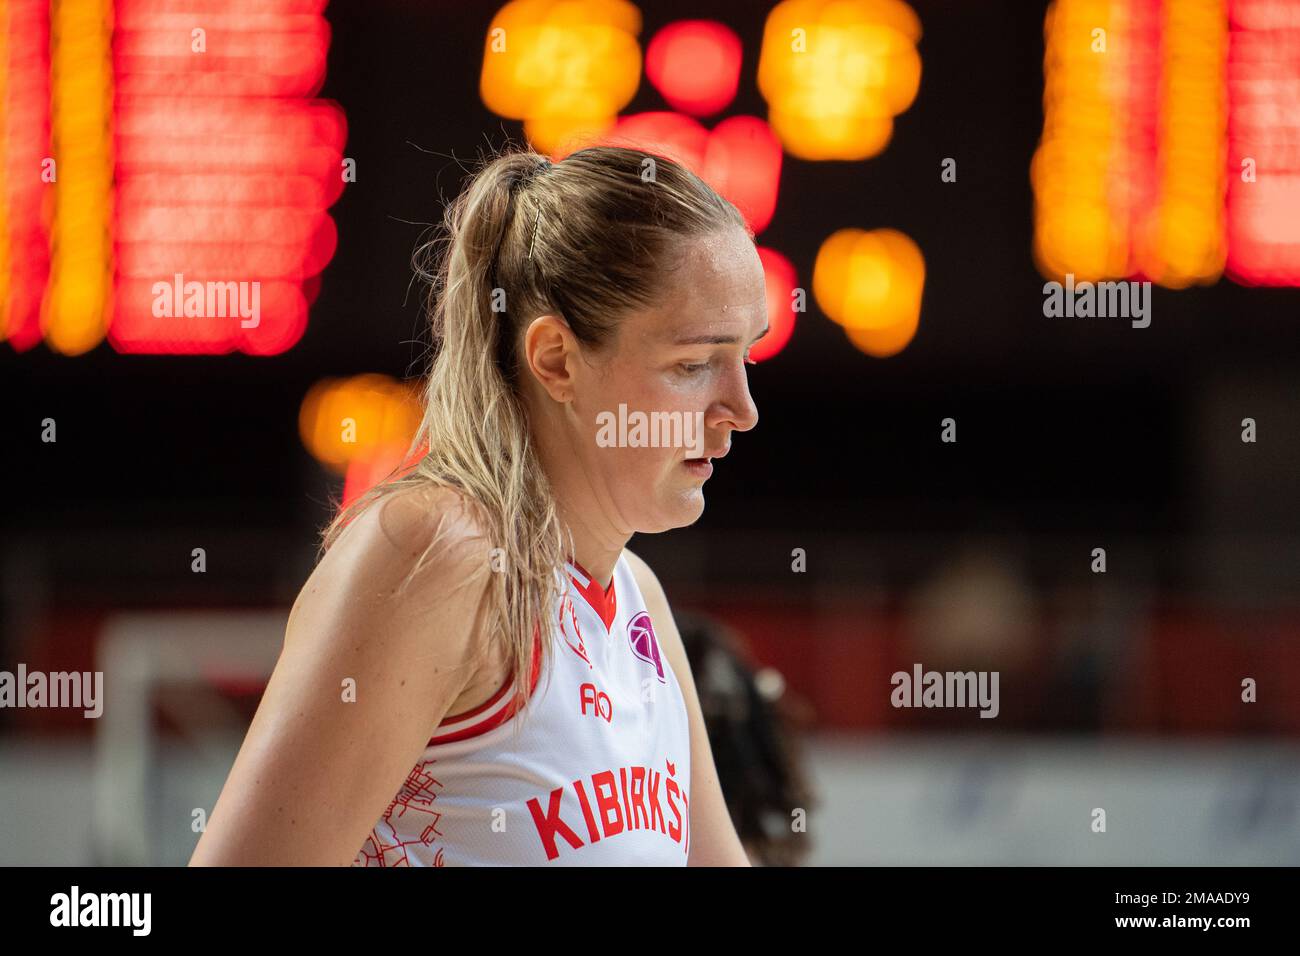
<point>641,634</point>
<point>598,700</point>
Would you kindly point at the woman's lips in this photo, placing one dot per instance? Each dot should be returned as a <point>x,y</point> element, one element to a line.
<point>700,467</point>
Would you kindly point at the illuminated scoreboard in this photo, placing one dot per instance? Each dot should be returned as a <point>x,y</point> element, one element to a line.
<point>167,173</point>
<point>1169,147</point>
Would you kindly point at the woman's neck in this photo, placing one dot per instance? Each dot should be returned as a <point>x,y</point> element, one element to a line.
<point>598,561</point>
<point>583,508</point>
<point>595,549</point>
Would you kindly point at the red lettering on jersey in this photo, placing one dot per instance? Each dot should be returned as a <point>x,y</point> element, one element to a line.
<point>677,830</point>
<point>631,821</point>
<point>550,825</point>
<point>638,798</point>
<point>640,809</point>
<point>607,800</point>
<point>599,701</point>
<point>674,828</point>
<point>586,811</point>
<point>652,797</point>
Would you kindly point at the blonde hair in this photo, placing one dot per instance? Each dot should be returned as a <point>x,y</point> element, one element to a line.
<point>586,238</point>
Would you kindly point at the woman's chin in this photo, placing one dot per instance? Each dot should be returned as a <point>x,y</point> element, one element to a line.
<point>683,510</point>
<point>689,508</point>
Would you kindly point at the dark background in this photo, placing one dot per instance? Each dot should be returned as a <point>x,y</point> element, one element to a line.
<point>1072,433</point>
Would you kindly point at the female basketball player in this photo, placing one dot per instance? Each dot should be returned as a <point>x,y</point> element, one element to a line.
<point>478,671</point>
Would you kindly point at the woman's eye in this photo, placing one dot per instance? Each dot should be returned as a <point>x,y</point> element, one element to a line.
<point>691,369</point>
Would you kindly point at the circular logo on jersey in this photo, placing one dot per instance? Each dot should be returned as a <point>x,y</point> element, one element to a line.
<point>641,633</point>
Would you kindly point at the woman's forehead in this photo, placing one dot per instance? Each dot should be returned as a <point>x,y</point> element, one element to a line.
<point>719,275</point>
<point>698,319</point>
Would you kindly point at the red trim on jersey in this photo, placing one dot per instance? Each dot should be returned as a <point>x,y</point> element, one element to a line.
<point>603,601</point>
<point>480,708</point>
<point>501,714</point>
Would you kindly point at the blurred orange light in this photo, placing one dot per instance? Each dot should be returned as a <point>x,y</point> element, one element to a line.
<point>1128,177</point>
<point>564,67</point>
<point>1082,154</point>
<point>695,65</point>
<point>871,283</point>
<point>346,421</point>
<point>78,302</point>
<point>1183,239</point>
<point>836,72</point>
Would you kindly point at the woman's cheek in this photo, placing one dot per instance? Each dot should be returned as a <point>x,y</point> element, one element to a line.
<point>684,392</point>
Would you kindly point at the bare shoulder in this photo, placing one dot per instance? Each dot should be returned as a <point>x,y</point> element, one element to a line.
<point>382,641</point>
<point>421,516</point>
<point>410,548</point>
<point>645,577</point>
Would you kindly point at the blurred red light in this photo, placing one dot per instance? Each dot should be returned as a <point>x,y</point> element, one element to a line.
<point>695,65</point>
<point>1264,127</point>
<point>224,168</point>
<point>670,134</point>
<point>781,282</point>
<point>743,162</point>
<point>24,143</point>
<point>740,158</point>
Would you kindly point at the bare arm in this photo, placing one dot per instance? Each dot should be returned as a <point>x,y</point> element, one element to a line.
<point>714,841</point>
<point>316,769</point>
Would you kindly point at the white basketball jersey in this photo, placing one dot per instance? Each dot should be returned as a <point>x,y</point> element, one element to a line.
<point>598,774</point>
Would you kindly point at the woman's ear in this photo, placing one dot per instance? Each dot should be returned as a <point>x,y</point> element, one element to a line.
<point>549,344</point>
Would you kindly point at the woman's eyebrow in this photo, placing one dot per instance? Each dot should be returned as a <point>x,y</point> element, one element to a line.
<point>716,339</point>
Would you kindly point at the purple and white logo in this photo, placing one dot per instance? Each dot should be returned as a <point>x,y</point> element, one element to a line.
<point>641,634</point>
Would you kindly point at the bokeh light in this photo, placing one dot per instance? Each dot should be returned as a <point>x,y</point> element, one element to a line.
<point>695,65</point>
<point>194,157</point>
<point>224,174</point>
<point>1128,177</point>
<point>665,133</point>
<point>78,303</point>
<point>740,157</point>
<point>742,160</point>
<point>1263,215</point>
<point>871,283</point>
<point>781,281</point>
<point>564,67</point>
<point>836,72</point>
<point>24,147</point>
<point>354,420</point>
